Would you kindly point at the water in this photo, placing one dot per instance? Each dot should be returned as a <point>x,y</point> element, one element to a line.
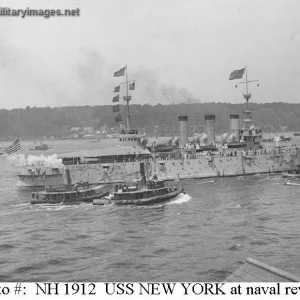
<point>201,236</point>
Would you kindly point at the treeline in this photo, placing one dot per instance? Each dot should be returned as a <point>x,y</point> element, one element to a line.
<point>158,119</point>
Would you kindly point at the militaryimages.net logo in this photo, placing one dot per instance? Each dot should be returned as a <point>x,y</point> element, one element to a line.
<point>46,13</point>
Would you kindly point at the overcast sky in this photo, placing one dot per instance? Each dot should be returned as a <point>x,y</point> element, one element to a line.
<point>177,50</point>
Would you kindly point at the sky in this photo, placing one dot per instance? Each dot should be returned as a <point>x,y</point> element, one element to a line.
<point>178,51</point>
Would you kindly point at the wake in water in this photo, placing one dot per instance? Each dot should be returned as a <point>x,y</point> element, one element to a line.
<point>20,204</point>
<point>264,179</point>
<point>202,182</point>
<point>181,198</point>
<point>237,206</point>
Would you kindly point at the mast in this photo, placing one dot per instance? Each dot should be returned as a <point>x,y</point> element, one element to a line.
<point>127,103</point>
<point>126,98</point>
<point>247,111</point>
<point>251,137</point>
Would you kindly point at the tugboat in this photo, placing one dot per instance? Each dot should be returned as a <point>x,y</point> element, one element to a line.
<point>81,192</point>
<point>149,192</point>
<point>41,147</point>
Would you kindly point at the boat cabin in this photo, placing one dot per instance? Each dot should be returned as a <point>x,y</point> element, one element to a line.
<point>61,194</point>
<point>154,188</point>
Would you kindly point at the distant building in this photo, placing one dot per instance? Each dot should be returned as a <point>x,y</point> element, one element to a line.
<point>88,129</point>
<point>75,129</point>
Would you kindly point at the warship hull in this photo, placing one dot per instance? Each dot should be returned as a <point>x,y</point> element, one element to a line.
<point>246,155</point>
<point>193,168</point>
<point>31,181</point>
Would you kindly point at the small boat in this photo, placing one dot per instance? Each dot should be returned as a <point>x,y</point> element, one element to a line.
<point>62,195</point>
<point>266,140</point>
<point>95,141</point>
<point>294,174</point>
<point>285,138</point>
<point>236,145</point>
<point>148,192</point>
<point>296,133</point>
<point>41,147</point>
<point>162,148</point>
<point>207,148</point>
<point>257,271</point>
<point>292,183</point>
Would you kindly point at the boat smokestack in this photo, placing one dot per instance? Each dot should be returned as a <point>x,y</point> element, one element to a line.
<point>143,175</point>
<point>235,126</point>
<point>210,126</point>
<point>69,180</point>
<point>183,129</point>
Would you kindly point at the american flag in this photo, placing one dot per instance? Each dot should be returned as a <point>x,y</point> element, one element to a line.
<point>14,147</point>
<point>237,74</point>
<point>119,73</point>
<point>41,178</point>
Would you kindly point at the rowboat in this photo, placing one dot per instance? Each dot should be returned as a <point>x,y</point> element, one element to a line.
<point>257,271</point>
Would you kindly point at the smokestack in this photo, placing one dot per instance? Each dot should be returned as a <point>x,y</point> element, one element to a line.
<point>142,172</point>
<point>235,126</point>
<point>183,129</point>
<point>210,128</point>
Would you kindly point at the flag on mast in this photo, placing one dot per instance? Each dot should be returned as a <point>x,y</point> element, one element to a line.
<point>116,99</point>
<point>132,86</point>
<point>118,118</point>
<point>237,74</point>
<point>120,72</point>
<point>14,147</point>
<point>116,108</point>
<point>117,89</point>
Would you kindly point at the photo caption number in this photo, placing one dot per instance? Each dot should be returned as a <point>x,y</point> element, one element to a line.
<point>80,288</point>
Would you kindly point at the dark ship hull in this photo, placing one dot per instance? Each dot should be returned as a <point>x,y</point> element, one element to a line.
<point>146,201</point>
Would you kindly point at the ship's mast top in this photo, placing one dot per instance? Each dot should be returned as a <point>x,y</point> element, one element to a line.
<point>127,98</point>
<point>250,136</point>
<point>247,111</point>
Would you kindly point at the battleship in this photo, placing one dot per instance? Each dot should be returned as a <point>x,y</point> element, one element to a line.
<point>238,153</point>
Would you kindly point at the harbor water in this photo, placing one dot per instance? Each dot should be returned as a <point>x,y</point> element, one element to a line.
<point>203,235</point>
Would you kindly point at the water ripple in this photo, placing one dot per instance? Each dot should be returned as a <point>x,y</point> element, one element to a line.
<point>201,236</point>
